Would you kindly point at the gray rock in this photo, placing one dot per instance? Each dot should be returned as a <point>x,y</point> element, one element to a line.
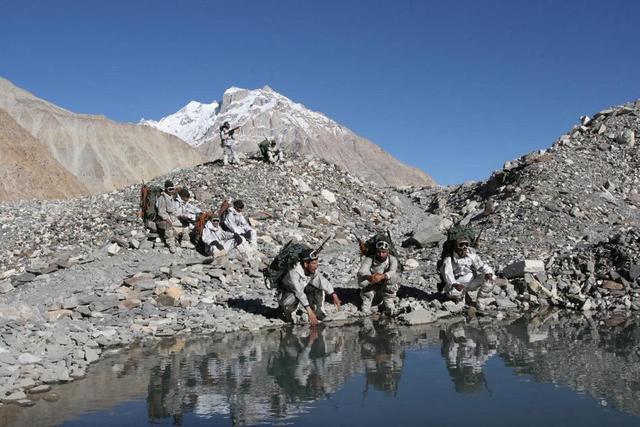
<point>519,268</point>
<point>626,137</point>
<point>418,317</point>
<point>28,359</point>
<point>5,286</point>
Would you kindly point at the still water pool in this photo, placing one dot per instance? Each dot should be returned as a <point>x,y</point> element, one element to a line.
<point>549,370</point>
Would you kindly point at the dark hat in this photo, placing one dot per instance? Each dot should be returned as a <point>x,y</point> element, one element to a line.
<point>184,193</point>
<point>308,255</point>
<point>238,204</point>
<point>168,184</point>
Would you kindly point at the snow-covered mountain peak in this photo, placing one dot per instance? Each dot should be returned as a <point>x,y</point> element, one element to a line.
<point>263,112</point>
<point>190,123</point>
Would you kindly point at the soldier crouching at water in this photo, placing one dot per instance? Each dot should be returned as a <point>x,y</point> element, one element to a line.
<point>463,271</point>
<point>378,275</point>
<point>305,285</point>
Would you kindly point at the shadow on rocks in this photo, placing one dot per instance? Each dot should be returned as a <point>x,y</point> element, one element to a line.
<point>253,306</point>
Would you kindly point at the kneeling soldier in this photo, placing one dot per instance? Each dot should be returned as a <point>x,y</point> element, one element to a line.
<point>304,285</point>
<point>378,275</point>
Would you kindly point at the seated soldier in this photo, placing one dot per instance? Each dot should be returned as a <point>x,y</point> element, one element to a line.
<point>304,285</point>
<point>269,152</point>
<point>378,275</point>
<point>235,222</point>
<point>463,272</point>
<point>215,239</point>
<point>186,213</point>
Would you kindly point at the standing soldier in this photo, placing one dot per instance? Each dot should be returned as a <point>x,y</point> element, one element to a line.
<point>166,215</point>
<point>229,144</point>
<point>378,275</point>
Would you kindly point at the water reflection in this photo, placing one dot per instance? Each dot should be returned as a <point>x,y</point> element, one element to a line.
<point>278,375</point>
<point>466,348</point>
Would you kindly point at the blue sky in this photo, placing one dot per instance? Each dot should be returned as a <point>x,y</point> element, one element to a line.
<point>455,88</point>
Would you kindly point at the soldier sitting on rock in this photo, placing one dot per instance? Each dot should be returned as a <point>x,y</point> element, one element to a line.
<point>269,151</point>
<point>186,212</point>
<point>216,239</point>
<point>464,272</point>
<point>378,276</point>
<point>166,219</point>
<point>304,285</point>
<point>235,222</point>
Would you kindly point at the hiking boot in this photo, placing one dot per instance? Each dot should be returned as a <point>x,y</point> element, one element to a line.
<point>390,308</point>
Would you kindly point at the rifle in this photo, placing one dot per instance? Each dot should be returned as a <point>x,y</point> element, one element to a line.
<point>477,239</point>
<point>361,245</point>
<point>231,131</point>
<point>317,251</point>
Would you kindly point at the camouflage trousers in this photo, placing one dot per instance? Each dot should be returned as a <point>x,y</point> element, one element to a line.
<point>475,286</point>
<point>167,233</point>
<point>288,304</point>
<point>230,155</point>
<point>386,290</point>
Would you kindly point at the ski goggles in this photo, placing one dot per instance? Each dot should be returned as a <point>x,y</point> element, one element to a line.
<point>462,245</point>
<point>382,245</point>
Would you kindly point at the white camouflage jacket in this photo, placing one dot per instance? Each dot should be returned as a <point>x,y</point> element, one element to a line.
<point>457,269</point>
<point>295,281</point>
<point>236,222</point>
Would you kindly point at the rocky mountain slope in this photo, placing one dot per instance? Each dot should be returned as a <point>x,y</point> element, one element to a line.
<point>265,113</point>
<point>22,162</point>
<point>102,154</point>
<point>78,276</point>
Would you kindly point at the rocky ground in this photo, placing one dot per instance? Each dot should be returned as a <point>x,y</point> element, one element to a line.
<point>79,276</point>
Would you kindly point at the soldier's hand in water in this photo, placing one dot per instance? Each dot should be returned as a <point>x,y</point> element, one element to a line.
<point>458,287</point>
<point>313,319</point>
<point>237,238</point>
<point>336,300</point>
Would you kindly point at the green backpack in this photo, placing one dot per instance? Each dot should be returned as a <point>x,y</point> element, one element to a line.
<point>264,147</point>
<point>286,259</point>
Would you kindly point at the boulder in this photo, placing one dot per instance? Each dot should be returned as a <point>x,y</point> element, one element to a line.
<point>519,268</point>
<point>418,317</point>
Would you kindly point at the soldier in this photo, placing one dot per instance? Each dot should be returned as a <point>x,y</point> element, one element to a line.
<point>378,275</point>
<point>235,222</point>
<point>215,238</point>
<point>229,144</point>
<point>463,272</point>
<point>304,285</point>
<point>166,215</point>
<point>269,151</point>
<point>186,213</point>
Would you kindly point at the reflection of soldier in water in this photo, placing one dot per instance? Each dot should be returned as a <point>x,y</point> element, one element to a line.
<point>301,366</point>
<point>466,349</point>
<point>382,355</point>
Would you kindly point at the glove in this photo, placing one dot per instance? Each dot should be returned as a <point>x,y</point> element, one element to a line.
<point>237,238</point>
<point>218,245</point>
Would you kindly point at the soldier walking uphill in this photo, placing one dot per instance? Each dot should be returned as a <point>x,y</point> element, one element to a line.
<point>229,144</point>
<point>378,276</point>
